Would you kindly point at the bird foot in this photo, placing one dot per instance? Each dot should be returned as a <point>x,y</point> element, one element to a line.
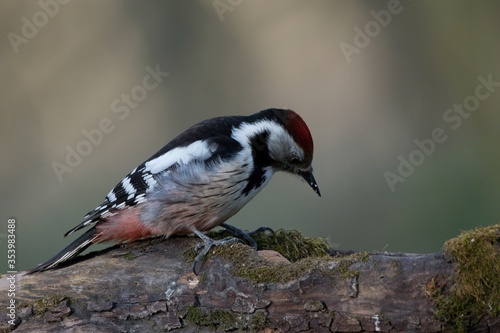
<point>261,229</point>
<point>207,244</point>
<point>247,236</point>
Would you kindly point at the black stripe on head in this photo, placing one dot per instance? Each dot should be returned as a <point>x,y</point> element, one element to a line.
<point>261,159</point>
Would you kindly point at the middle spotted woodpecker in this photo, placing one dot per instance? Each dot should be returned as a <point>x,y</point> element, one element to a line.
<point>197,181</point>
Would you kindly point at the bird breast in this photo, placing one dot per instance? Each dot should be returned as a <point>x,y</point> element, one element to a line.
<point>198,195</point>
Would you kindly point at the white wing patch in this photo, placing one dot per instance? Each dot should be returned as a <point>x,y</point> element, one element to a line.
<point>182,155</point>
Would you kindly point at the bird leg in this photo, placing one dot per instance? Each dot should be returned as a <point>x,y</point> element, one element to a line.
<point>207,244</point>
<point>247,236</point>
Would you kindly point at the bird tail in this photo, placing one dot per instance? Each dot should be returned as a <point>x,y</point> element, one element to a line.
<point>70,251</point>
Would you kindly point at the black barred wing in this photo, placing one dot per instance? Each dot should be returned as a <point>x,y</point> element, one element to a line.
<point>134,188</point>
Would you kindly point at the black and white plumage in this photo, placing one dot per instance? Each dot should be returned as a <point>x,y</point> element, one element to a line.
<point>198,180</point>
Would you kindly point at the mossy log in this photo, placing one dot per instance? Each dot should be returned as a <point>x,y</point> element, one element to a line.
<point>148,286</point>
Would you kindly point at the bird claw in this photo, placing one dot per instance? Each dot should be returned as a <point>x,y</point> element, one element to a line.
<point>208,242</point>
<point>207,245</point>
<point>227,240</point>
<point>247,236</point>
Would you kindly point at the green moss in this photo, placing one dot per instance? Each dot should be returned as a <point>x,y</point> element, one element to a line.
<point>216,318</point>
<point>473,290</point>
<point>129,256</point>
<point>344,263</point>
<point>306,255</point>
<point>258,320</point>
<point>189,255</point>
<point>250,266</point>
<point>292,245</point>
<point>226,320</point>
<point>41,305</point>
<point>289,243</point>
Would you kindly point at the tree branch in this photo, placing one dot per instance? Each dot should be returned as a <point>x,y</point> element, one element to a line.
<point>149,286</point>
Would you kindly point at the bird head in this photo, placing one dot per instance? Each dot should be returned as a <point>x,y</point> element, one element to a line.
<point>292,150</point>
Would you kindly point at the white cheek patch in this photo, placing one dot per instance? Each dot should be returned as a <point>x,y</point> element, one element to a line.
<point>198,150</point>
<point>281,144</point>
<point>247,130</point>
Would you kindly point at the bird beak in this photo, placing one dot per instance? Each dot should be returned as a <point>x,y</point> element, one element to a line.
<point>309,178</point>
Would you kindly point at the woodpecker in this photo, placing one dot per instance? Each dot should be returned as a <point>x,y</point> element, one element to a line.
<point>197,181</point>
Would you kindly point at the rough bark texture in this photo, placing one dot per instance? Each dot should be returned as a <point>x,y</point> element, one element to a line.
<point>148,286</point>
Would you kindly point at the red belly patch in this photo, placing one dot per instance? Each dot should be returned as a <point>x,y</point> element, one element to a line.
<point>125,225</point>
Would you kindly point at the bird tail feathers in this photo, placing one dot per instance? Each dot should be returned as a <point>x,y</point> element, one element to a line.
<point>70,251</point>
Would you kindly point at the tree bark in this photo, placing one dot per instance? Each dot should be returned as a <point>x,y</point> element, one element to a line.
<point>148,286</point>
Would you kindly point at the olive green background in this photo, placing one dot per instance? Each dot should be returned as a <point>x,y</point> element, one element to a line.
<point>363,113</point>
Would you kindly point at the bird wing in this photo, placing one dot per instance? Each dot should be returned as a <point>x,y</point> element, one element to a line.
<point>132,189</point>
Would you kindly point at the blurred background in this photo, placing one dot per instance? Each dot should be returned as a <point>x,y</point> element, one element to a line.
<point>369,78</point>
